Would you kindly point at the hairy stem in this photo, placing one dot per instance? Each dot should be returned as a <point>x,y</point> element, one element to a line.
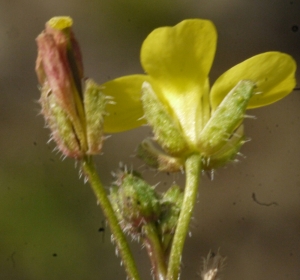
<point>119,237</point>
<point>155,251</point>
<point>192,168</point>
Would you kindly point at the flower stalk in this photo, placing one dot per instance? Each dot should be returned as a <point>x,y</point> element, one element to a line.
<point>118,235</point>
<point>193,170</point>
<point>155,252</point>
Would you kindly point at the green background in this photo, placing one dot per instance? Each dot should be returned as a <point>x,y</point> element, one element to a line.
<point>50,224</point>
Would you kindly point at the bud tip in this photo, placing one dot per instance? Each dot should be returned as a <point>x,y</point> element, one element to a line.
<point>61,22</point>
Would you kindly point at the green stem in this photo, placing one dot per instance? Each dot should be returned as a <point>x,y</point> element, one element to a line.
<point>119,237</point>
<point>155,251</point>
<point>192,169</point>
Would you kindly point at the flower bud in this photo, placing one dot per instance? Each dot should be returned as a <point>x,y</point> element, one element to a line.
<point>76,119</point>
<point>136,201</point>
<point>167,133</point>
<point>225,119</point>
<point>157,159</point>
<point>58,61</point>
<point>59,68</point>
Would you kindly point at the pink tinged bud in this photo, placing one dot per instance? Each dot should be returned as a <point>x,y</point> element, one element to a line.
<point>62,25</point>
<point>52,66</point>
<point>60,71</point>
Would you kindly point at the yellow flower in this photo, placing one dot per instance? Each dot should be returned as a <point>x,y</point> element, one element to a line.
<point>177,61</point>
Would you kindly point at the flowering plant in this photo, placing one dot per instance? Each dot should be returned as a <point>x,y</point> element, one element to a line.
<point>200,119</point>
<point>198,127</point>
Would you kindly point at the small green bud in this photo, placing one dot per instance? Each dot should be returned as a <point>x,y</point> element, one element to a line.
<point>167,133</point>
<point>94,107</point>
<point>158,160</point>
<point>171,203</point>
<point>226,118</point>
<point>136,201</point>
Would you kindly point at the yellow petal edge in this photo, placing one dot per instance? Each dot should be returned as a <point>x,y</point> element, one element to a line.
<point>273,73</point>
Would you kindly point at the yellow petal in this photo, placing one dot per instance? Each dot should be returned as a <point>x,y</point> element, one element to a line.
<point>127,111</point>
<point>273,73</point>
<point>60,23</point>
<point>179,59</point>
<point>180,55</point>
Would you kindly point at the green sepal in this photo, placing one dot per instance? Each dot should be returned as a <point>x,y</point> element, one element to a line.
<point>167,133</point>
<point>226,118</point>
<point>94,107</point>
<point>157,159</point>
<point>227,153</point>
<point>62,128</point>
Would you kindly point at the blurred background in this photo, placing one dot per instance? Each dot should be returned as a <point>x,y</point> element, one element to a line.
<point>50,225</point>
